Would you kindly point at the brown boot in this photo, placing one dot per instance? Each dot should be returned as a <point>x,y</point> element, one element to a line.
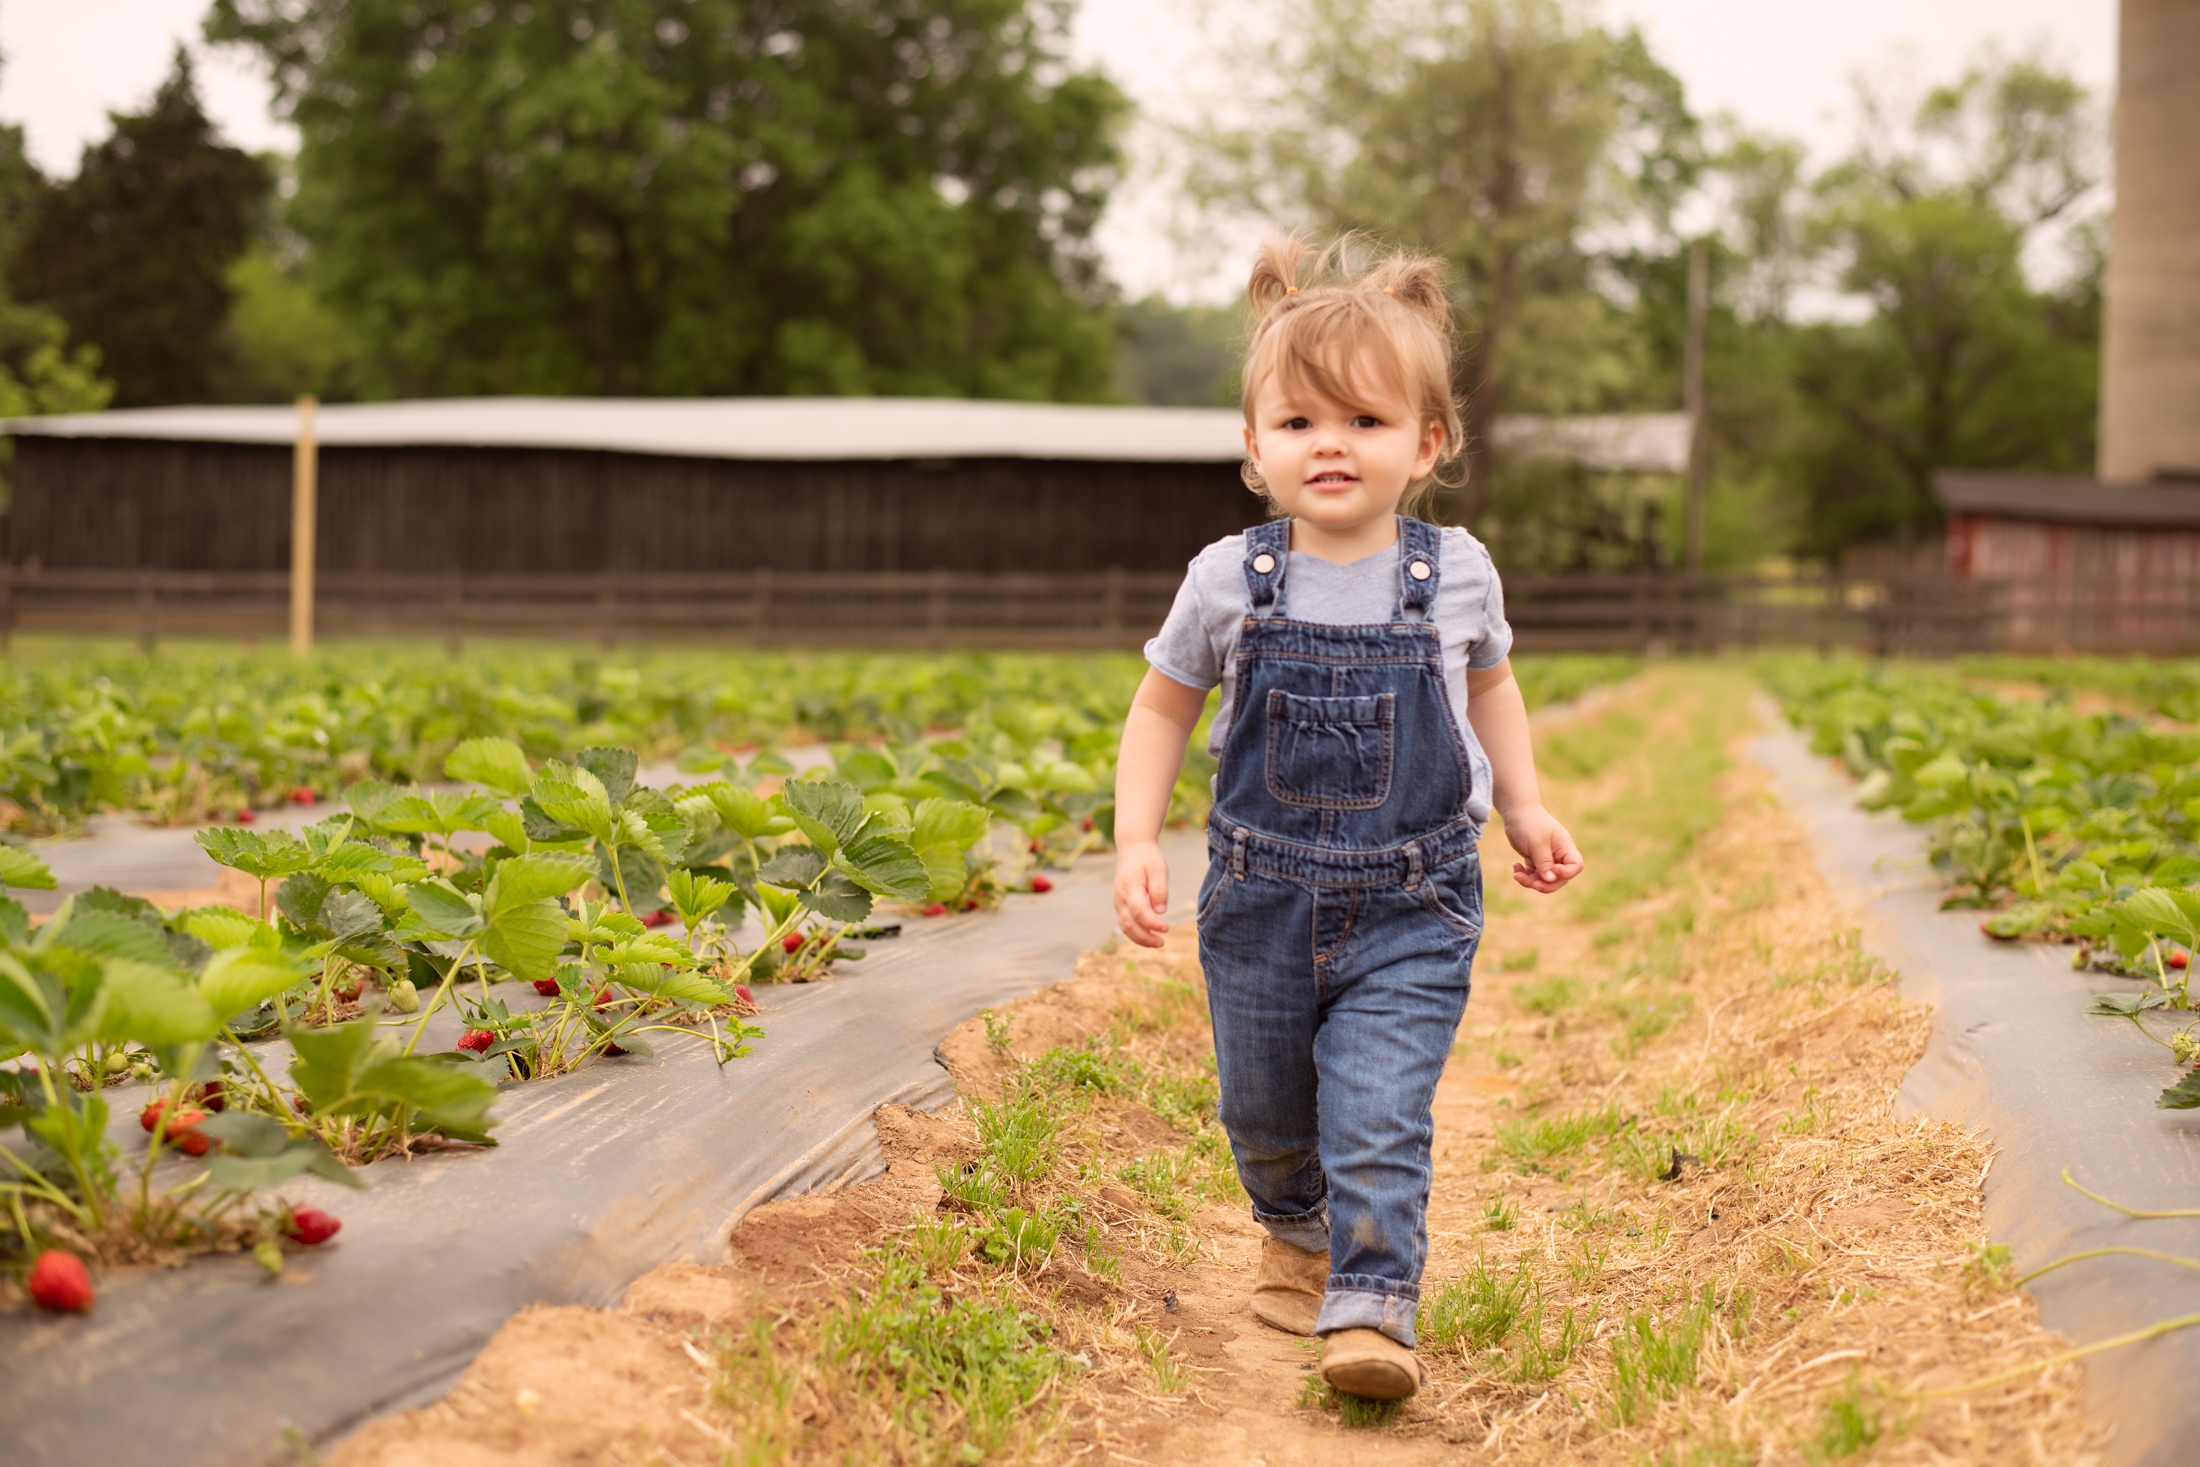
<point>1367,1362</point>
<point>1288,1293</point>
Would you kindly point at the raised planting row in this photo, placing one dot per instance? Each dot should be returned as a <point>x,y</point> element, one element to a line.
<point>201,732</point>
<point>2061,826</point>
<point>2169,688</point>
<point>563,881</point>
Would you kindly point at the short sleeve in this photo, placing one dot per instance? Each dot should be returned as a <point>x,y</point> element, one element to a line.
<point>1496,639</point>
<point>1183,650</point>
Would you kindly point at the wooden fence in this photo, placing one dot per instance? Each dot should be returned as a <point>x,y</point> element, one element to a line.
<point>1913,615</point>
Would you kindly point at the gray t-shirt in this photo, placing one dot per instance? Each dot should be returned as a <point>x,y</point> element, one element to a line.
<point>1198,643</point>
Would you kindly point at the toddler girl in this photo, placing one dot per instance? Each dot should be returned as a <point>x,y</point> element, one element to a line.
<point>1343,899</point>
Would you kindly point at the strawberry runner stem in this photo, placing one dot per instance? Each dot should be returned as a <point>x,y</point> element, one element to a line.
<point>2158,1255</point>
<point>2159,1327</point>
<point>2126,1211</point>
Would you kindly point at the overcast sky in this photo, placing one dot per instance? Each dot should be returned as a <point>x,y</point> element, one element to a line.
<point>1779,65</point>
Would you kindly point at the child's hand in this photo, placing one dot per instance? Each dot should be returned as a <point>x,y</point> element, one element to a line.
<point>1549,858</point>
<point>1141,893</point>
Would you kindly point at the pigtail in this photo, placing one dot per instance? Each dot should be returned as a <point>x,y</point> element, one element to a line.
<point>1276,272</point>
<point>1420,283</point>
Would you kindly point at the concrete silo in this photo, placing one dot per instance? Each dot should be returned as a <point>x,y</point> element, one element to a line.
<point>2150,348</point>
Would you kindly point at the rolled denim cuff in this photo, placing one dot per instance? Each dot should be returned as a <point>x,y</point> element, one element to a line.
<point>1308,1230</point>
<point>1355,1301</point>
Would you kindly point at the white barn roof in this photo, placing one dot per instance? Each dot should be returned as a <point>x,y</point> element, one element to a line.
<point>734,427</point>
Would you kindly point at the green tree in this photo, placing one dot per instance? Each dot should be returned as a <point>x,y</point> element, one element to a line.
<point>1964,362</point>
<point>664,197</point>
<point>134,252</point>
<point>1502,134</point>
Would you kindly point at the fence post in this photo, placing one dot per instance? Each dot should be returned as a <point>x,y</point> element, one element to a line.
<point>1111,600</point>
<point>7,608</point>
<point>304,492</point>
<point>935,608</point>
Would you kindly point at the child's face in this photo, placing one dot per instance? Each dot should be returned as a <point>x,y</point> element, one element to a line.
<point>1339,465</point>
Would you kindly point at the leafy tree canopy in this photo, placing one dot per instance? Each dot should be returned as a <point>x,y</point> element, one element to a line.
<point>664,197</point>
<point>133,253</point>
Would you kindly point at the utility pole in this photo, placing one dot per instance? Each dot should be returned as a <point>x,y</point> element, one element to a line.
<point>1692,400</point>
<point>304,491</point>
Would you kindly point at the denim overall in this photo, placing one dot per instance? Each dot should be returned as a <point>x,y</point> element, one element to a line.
<point>1337,926</point>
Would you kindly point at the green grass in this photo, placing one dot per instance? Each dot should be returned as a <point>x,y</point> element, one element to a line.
<point>1552,995</point>
<point>1539,1138</point>
<point>1316,1394</point>
<point>1499,1321</point>
<point>917,1374</point>
<point>1520,962</point>
<point>1849,1420</point>
<point>1658,1355</point>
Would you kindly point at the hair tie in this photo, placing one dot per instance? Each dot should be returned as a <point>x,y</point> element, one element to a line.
<point>1388,291</point>
<point>1290,290</point>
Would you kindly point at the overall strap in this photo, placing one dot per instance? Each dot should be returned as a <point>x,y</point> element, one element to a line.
<point>1265,557</point>
<point>1419,568</point>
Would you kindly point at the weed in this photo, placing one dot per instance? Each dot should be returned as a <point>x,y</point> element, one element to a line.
<point>1540,1356</point>
<point>1081,1069</point>
<point>1587,1271</point>
<point>1550,995</point>
<point>1849,1420</point>
<point>1520,962</point>
<point>939,1243</point>
<point>1018,1240</point>
<point>1988,1269</point>
<point>1645,1018</point>
<point>1507,1060</point>
<point>1718,1448</point>
<point>1655,1356</point>
<point>1537,1138</point>
<point>1475,1312</point>
<point>939,1378</point>
<point>1316,1394</point>
<point>997,1026</point>
<point>1160,1179</point>
<point>1499,1215</point>
<point>1169,1373</point>
<point>1021,1134</point>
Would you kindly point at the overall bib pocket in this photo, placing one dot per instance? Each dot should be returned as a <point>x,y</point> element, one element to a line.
<point>1330,753</point>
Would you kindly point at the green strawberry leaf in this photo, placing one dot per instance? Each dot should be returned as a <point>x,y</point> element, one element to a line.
<point>885,867</point>
<point>239,978</point>
<point>19,868</point>
<point>829,811</point>
<point>614,768</point>
<point>837,898</point>
<point>525,939</point>
<point>793,868</point>
<point>497,763</point>
<point>524,879</point>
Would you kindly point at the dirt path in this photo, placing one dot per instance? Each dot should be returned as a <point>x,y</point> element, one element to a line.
<point>1808,1262</point>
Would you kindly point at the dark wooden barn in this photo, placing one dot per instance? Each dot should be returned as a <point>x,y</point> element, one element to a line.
<point>787,519</point>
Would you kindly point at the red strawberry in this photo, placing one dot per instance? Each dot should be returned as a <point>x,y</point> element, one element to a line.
<point>150,1116</point>
<point>246,817</point>
<point>311,1226</point>
<point>210,1096</point>
<point>663,917</point>
<point>301,1105</point>
<point>971,905</point>
<point>1088,822</point>
<point>1035,848</point>
<point>347,991</point>
<point>1040,883</point>
<point>185,1139</point>
<point>477,1040</point>
<point>2179,960</point>
<point>746,997</point>
<point>603,997</point>
<point>792,942</point>
<point>303,796</point>
<point>58,1282</point>
<point>937,909</point>
<point>547,987</point>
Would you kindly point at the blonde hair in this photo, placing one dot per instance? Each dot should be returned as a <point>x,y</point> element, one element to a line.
<point>1323,316</point>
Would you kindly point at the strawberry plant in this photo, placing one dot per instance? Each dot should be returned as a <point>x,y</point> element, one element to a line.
<point>105,988</point>
<point>2061,826</point>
